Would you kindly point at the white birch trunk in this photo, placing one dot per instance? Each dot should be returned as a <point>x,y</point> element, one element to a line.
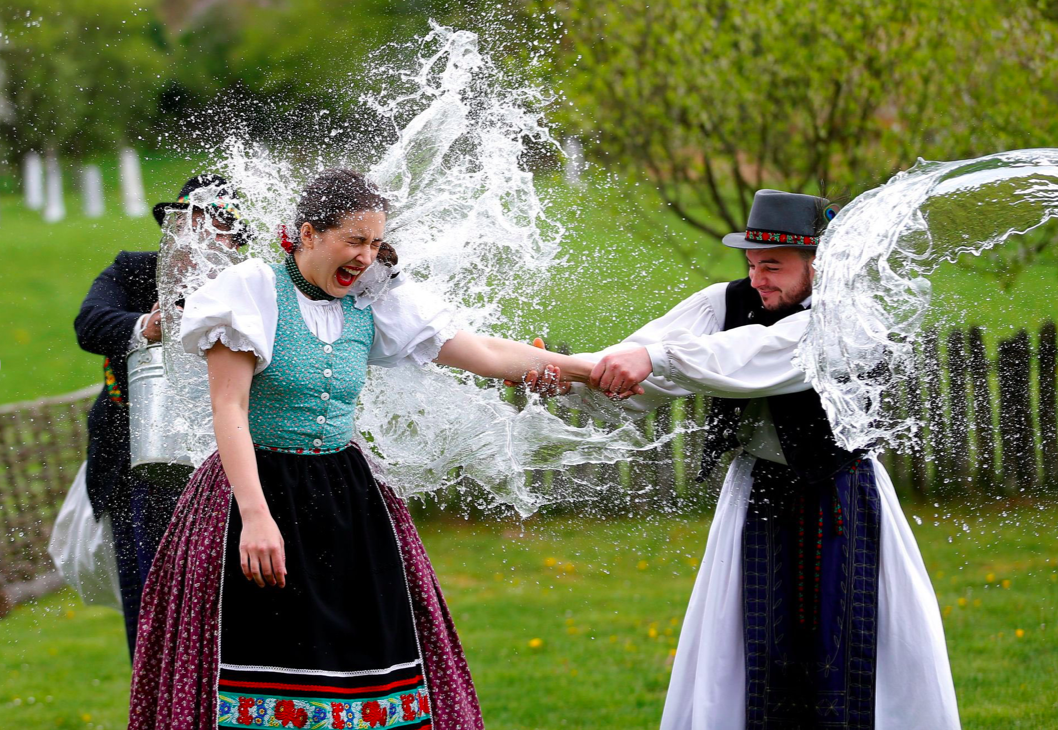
<point>33,180</point>
<point>92,191</point>
<point>132,184</point>
<point>54,206</point>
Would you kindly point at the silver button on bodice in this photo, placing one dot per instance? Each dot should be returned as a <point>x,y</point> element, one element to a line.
<point>317,442</point>
<point>328,349</point>
<point>327,373</point>
<point>325,396</point>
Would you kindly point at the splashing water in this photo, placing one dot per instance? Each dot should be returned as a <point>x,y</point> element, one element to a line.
<point>469,226</point>
<point>872,290</point>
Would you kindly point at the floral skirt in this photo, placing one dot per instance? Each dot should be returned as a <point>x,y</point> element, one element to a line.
<point>359,637</point>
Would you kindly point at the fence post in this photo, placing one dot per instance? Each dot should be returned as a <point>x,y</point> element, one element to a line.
<point>959,426</point>
<point>913,398</point>
<point>1048,372</point>
<point>665,466</point>
<point>938,437</point>
<point>983,421</point>
<point>1015,414</point>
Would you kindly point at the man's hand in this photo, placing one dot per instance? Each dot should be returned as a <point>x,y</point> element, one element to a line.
<point>152,330</point>
<point>619,374</point>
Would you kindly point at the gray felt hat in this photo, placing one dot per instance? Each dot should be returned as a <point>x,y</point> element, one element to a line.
<point>784,219</point>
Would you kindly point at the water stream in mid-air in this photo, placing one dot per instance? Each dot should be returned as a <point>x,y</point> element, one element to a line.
<point>471,228</point>
<point>873,289</point>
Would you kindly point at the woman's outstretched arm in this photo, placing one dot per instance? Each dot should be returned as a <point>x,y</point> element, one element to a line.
<point>492,357</point>
<point>261,547</point>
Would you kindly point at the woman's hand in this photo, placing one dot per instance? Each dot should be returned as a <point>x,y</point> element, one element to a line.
<point>261,551</point>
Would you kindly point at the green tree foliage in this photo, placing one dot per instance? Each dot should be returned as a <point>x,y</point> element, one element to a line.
<point>82,75</point>
<point>711,99</point>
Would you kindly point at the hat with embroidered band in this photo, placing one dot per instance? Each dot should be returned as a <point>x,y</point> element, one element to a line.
<point>223,205</point>
<point>784,219</point>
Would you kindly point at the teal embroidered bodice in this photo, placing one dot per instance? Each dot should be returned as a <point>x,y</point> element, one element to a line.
<point>304,401</point>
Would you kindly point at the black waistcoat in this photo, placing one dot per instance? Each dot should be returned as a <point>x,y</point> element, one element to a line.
<point>804,432</point>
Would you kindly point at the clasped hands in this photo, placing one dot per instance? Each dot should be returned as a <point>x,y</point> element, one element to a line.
<point>617,375</point>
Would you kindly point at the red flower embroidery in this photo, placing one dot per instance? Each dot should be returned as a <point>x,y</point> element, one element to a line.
<point>245,705</point>
<point>407,704</point>
<point>374,714</point>
<point>336,715</point>
<point>424,704</point>
<point>286,712</point>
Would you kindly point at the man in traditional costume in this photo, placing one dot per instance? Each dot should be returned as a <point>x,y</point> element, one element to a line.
<point>812,607</point>
<point>120,314</point>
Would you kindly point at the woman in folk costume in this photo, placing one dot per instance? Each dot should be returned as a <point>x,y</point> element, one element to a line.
<point>307,600</point>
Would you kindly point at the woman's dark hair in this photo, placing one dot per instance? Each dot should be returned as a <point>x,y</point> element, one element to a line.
<point>335,193</point>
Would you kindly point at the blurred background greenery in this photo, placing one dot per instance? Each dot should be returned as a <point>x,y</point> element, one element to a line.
<point>683,109</point>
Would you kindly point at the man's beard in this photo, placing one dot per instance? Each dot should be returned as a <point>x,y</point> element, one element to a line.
<point>793,299</point>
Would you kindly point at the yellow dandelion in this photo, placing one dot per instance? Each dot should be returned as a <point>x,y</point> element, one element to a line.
<point>613,638</point>
<point>86,717</point>
<point>946,612</point>
<point>1006,583</point>
<point>962,602</point>
<point>568,568</point>
<point>550,562</point>
<point>572,630</point>
<point>990,578</point>
<point>642,565</point>
<point>1020,633</point>
<point>652,633</point>
<point>570,622</point>
<point>535,643</point>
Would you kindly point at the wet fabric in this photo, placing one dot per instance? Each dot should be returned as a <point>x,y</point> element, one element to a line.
<point>810,595</point>
<point>181,675</point>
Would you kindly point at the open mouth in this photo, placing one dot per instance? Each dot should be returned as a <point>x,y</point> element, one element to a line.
<point>346,275</point>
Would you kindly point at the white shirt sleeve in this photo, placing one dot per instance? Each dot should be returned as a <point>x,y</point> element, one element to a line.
<point>696,313</point>
<point>411,324</point>
<point>753,361</point>
<point>137,339</point>
<point>238,308</point>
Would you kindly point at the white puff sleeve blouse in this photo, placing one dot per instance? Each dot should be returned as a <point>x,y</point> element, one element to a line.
<point>239,309</point>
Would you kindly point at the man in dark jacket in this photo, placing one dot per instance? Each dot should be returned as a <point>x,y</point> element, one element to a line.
<point>120,314</point>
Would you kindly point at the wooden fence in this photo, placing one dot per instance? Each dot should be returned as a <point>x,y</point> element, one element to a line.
<point>990,429</point>
<point>42,444</point>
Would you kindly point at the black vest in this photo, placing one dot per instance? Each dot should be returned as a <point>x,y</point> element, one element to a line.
<point>804,431</point>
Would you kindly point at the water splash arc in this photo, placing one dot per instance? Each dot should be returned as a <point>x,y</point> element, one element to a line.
<point>873,288</point>
<point>472,230</point>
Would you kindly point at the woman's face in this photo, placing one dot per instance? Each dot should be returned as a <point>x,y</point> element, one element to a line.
<point>334,259</point>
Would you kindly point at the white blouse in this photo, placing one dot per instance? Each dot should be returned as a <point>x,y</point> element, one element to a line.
<point>239,308</point>
<point>690,354</point>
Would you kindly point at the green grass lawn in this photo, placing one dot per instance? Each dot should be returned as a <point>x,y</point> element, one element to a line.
<point>622,271</point>
<point>571,623</point>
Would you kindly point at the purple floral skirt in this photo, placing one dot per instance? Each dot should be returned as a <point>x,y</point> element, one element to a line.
<point>362,638</point>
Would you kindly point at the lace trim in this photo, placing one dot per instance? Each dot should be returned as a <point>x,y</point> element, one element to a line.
<point>230,338</point>
<point>428,350</point>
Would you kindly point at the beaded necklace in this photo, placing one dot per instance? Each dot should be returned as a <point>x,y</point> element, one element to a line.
<point>310,290</point>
